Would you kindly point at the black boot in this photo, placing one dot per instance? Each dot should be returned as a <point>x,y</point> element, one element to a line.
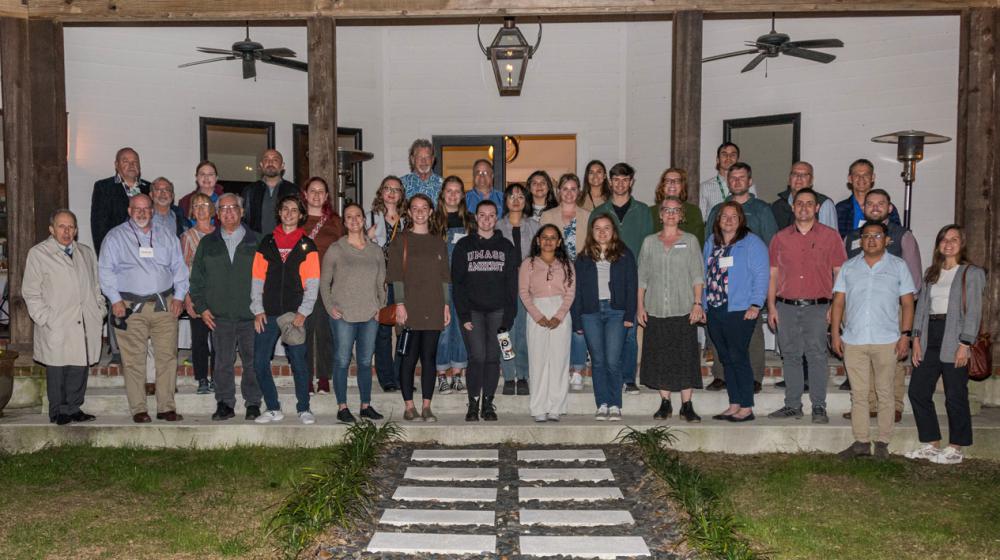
<point>665,411</point>
<point>489,412</point>
<point>687,412</point>
<point>473,413</point>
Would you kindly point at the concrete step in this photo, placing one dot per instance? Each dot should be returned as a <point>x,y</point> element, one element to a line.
<point>560,455</point>
<point>567,494</point>
<point>22,431</point>
<point>575,517</point>
<point>432,543</point>
<point>558,475</point>
<point>104,401</point>
<point>444,494</point>
<point>451,474</point>
<point>443,517</point>
<point>584,547</point>
<point>455,455</point>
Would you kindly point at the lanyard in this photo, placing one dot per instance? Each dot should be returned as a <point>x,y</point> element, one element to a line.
<point>137,235</point>
<point>722,190</point>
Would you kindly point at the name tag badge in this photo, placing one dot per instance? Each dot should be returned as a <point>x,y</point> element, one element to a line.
<point>856,244</point>
<point>145,252</point>
<point>861,222</point>
<point>680,245</point>
<point>726,262</point>
<point>455,238</point>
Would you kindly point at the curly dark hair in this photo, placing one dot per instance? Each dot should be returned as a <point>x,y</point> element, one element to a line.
<point>561,255</point>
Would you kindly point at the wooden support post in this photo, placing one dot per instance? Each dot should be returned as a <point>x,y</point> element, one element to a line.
<point>34,130</point>
<point>977,176</point>
<point>685,101</point>
<point>322,36</point>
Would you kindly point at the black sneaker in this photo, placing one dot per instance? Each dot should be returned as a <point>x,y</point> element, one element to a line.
<point>632,388</point>
<point>509,387</point>
<point>81,416</point>
<point>819,415</point>
<point>203,388</point>
<point>223,412</point>
<point>370,413</point>
<point>472,414</point>
<point>786,412</point>
<point>253,412</point>
<point>522,387</point>
<point>344,416</point>
<point>488,411</point>
<point>781,384</point>
<point>389,388</point>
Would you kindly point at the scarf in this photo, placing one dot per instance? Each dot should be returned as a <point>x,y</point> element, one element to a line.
<point>286,241</point>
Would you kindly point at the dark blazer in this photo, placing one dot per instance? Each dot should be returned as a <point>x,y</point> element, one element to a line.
<point>624,288</point>
<point>109,207</point>
<point>253,198</point>
<point>845,216</point>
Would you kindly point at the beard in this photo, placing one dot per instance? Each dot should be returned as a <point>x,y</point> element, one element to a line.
<point>271,172</point>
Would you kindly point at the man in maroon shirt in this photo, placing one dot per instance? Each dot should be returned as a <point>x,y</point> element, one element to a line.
<point>805,259</point>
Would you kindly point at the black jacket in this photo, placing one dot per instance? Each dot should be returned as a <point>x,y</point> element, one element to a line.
<point>253,198</point>
<point>284,280</point>
<point>109,207</point>
<point>484,276</point>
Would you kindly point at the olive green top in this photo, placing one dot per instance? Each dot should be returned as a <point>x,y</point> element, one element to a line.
<point>669,277</point>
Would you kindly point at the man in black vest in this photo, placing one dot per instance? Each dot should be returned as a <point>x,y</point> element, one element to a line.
<point>801,177</point>
<point>878,208</point>
<point>259,198</point>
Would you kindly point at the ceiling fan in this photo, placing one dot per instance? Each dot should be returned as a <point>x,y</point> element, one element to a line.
<point>774,43</point>
<point>250,52</point>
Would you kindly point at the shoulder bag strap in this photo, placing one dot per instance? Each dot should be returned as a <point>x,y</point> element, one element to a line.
<point>964,273</point>
<point>405,251</point>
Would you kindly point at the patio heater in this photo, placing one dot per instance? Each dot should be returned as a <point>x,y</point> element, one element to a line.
<point>346,158</point>
<point>909,151</point>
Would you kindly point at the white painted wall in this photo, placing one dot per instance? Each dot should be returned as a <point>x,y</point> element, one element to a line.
<point>608,83</point>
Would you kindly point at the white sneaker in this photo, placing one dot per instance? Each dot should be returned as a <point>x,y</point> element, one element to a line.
<point>948,456</point>
<point>602,413</point>
<point>541,418</point>
<point>553,417</point>
<point>270,416</point>
<point>307,417</point>
<point>927,452</point>
<point>615,414</point>
<point>576,381</point>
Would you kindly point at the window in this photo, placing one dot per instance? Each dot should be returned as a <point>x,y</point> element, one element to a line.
<point>235,147</point>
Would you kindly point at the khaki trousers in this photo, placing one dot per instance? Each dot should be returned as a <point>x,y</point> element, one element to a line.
<point>869,364</point>
<point>159,328</point>
<point>898,387</point>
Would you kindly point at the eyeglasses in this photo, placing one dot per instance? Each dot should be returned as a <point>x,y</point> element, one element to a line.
<point>202,205</point>
<point>872,236</point>
<point>672,182</point>
<point>392,189</point>
<point>229,208</point>
<point>671,210</point>
<point>801,175</point>
<point>482,173</point>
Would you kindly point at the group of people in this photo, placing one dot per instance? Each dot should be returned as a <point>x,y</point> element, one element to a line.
<point>556,270</point>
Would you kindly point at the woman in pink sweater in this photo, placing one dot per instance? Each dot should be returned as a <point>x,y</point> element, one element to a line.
<point>546,287</point>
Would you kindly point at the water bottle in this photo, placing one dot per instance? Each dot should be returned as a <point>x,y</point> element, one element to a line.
<point>403,342</point>
<point>506,344</point>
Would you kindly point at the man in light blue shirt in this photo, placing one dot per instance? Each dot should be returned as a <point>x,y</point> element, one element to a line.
<point>872,297</point>
<point>421,179</point>
<point>142,273</point>
<point>482,187</point>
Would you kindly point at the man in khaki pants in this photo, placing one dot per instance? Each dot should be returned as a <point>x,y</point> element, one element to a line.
<point>868,294</point>
<point>143,275</point>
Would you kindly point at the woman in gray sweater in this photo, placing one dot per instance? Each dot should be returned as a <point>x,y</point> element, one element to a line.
<point>352,284</point>
<point>944,328</point>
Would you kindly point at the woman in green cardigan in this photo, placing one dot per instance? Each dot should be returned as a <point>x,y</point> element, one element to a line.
<point>673,182</point>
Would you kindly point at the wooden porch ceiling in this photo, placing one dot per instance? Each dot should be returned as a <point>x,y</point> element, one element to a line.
<point>93,11</point>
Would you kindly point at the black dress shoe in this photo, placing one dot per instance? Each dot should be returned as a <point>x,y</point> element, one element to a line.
<point>389,388</point>
<point>169,416</point>
<point>370,413</point>
<point>62,419</point>
<point>716,385</point>
<point>344,416</point>
<point>522,387</point>
<point>509,387</point>
<point>724,417</point>
<point>781,384</point>
<point>757,387</point>
<point>253,412</point>
<point>746,418</point>
<point>223,412</point>
<point>81,416</point>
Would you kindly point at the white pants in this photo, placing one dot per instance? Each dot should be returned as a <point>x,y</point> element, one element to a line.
<point>548,361</point>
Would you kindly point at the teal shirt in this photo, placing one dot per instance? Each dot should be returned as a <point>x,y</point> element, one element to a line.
<point>633,229</point>
<point>760,218</point>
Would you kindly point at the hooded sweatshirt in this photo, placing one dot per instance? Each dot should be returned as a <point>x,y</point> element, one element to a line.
<point>484,276</point>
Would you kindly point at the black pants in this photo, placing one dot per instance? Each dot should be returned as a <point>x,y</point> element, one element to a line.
<point>923,382</point>
<point>202,352</point>
<point>319,343</point>
<point>423,347</point>
<point>483,372</point>
<point>65,387</point>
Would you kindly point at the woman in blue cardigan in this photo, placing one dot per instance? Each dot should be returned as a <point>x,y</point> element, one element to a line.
<point>737,272</point>
<point>604,308</point>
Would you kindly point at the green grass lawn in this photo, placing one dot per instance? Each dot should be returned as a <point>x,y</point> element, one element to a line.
<point>83,502</point>
<point>817,506</point>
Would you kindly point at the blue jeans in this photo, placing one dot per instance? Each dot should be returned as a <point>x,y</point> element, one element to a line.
<point>731,335</point>
<point>605,335</point>
<point>451,351</point>
<point>345,335</point>
<point>386,364</point>
<point>630,355</point>
<point>263,346</point>
<point>577,351</point>
<point>518,367</point>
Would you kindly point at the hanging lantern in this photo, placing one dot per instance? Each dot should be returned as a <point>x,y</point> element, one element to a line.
<point>508,54</point>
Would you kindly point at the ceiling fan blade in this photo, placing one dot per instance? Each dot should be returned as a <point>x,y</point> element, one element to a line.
<point>809,55</point>
<point>280,51</point>
<point>293,64</point>
<point>753,63</point>
<point>815,44</point>
<point>209,50</point>
<point>727,55</point>
<point>249,68</point>
<point>185,65</point>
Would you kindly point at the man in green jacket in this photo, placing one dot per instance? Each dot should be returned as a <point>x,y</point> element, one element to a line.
<point>220,291</point>
<point>634,223</point>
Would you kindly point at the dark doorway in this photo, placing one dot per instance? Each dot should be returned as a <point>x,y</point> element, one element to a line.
<point>235,147</point>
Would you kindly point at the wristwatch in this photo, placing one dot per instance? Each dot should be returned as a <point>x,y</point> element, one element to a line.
<point>907,333</point>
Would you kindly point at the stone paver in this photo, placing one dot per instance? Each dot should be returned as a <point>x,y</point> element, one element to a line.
<point>444,494</point>
<point>576,517</point>
<point>472,455</point>
<point>432,543</point>
<point>553,475</point>
<point>566,455</point>
<point>584,547</point>
<point>567,494</point>
<point>451,473</point>
<point>437,517</point>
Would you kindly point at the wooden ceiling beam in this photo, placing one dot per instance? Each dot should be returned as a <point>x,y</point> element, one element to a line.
<point>85,11</point>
